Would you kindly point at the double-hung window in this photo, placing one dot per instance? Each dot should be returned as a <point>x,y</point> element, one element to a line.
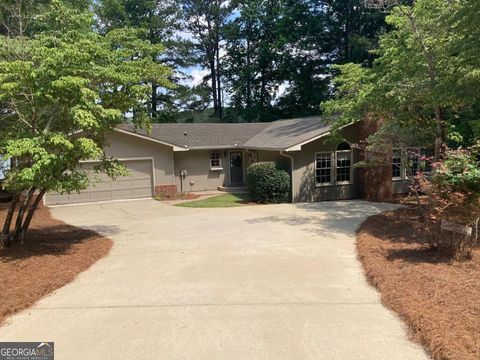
<point>215,160</point>
<point>397,165</point>
<point>407,162</point>
<point>334,168</point>
<point>323,168</point>
<point>344,163</point>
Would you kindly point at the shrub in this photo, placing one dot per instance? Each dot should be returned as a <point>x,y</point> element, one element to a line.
<point>453,194</point>
<point>267,184</point>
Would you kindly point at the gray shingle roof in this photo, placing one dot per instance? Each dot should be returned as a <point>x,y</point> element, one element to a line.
<point>277,135</point>
<point>202,135</point>
<point>283,134</point>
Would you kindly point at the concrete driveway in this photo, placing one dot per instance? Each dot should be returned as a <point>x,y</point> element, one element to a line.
<point>253,282</point>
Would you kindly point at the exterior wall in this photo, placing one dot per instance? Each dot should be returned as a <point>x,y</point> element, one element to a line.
<point>401,186</point>
<point>275,156</point>
<point>127,146</point>
<point>199,176</point>
<point>305,188</point>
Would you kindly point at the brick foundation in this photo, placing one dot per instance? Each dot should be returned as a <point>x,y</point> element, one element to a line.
<point>167,190</point>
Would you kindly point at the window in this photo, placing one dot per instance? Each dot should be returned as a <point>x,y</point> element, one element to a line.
<point>323,168</point>
<point>215,160</point>
<point>4,166</point>
<point>407,162</point>
<point>344,163</point>
<point>252,157</point>
<point>340,174</point>
<point>397,164</point>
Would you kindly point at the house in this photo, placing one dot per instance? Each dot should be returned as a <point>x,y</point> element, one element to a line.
<point>207,156</point>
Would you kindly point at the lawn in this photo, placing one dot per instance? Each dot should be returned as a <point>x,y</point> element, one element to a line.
<point>226,200</point>
<point>437,297</point>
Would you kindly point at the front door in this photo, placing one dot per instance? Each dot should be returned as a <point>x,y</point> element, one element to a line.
<point>236,168</point>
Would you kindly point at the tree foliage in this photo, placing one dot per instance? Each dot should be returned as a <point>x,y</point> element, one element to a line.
<point>279,54</point>
<point>161,22</point>
<point>424,76</point>
<point>61,93</point>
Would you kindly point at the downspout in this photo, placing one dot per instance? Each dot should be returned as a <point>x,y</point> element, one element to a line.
<point>292,178</point>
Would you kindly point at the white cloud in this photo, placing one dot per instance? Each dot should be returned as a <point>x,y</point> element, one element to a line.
<point>196,75</point>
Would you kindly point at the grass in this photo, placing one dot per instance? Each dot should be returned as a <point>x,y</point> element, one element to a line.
<point>226,200</point>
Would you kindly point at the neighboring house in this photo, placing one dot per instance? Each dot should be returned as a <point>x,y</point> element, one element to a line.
<point>209,156</point>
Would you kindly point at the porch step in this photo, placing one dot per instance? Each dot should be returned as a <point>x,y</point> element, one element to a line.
<point>233,189</point>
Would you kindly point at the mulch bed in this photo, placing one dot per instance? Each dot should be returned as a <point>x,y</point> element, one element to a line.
<point>52,256</point>
<point>439,299</point>
<point>176,196</point>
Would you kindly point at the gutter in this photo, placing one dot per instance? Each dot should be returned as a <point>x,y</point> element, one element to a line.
<point>292,178</point>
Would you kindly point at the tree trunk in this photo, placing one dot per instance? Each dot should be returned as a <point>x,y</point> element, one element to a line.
<point>5,236</point>
<point>219,84</point>
<point>213,73</point>
<point>249,89</point>
<point>438,133</point>
<point>21,212</point>
<point>154,101</point>
<point>29,217</point>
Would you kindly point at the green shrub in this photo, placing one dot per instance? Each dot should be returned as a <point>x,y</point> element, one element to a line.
<point>267,184</point>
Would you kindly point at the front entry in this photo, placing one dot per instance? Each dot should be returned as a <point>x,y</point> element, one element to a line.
<point>236,168</point>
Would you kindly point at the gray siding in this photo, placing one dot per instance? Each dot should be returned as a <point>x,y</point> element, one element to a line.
<point>127,146</point>
<point>305,188</point>
<point>197,165</point>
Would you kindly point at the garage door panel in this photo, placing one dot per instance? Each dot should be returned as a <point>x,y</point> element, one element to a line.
<point>138,184</point>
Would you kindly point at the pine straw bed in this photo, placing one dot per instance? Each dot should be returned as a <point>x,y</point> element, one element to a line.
<point>439,299</point>
<point>52,256</point>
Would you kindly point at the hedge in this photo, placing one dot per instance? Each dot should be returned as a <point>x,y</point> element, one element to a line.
<point>268,184</point>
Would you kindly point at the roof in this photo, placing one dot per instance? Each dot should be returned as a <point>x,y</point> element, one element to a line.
<point>285,135</point>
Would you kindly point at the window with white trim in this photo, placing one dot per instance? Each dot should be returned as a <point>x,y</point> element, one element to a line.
<point>323,168</point>
<point>407,162</point>
<point>215,160</point>
<point>397,164</point>
<point>343,163</point>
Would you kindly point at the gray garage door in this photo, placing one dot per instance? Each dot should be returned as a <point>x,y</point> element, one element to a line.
<point>139,184</point>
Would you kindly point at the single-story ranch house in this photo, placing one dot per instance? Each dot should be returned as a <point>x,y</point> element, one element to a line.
<point>207,156</point>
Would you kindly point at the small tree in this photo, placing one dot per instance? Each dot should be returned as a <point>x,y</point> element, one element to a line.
<point>61,93</point>
<point>453,194</point>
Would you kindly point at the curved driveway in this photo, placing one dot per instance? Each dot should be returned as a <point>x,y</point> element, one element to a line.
<point>254,282</point>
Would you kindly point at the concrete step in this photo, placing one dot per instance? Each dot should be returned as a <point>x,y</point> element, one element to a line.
<point>233,189</point>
